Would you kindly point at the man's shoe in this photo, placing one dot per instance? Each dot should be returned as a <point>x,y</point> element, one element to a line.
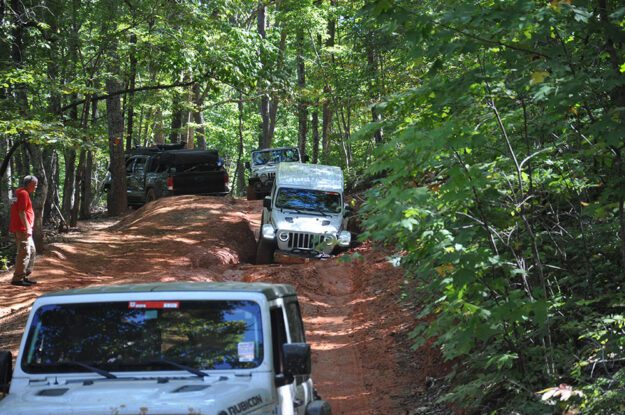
<point>29,281</point>
<point>21,283</point>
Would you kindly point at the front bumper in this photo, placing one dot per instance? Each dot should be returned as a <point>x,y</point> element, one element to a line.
<point>310,244</point>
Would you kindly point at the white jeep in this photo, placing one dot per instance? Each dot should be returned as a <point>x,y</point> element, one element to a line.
<point>181,348</point>
<point>305,214</point>
<point>263,168</point>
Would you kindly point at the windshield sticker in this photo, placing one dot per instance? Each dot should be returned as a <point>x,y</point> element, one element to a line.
<point>246,351</point>
<point>153,304</point>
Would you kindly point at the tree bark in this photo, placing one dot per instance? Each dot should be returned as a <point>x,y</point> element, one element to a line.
<point>159,134</point>
<point>263,140</point>
<point>85,189</point>
<point>275,100</point>
<point>131,95</point>
<point>51,158</point>
<point>70,180</point>
<point>376,117</point>
<point>117,199</point>
<point>326,112</point>
<point>73,221</point>
<point>5,188</point>
<point>198,116</point>
<point>315,134</point>
<point>39,198</point>
<point>239,174</point>
<point>302,106</point>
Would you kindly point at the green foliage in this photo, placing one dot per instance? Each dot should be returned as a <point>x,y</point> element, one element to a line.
<point>501,183</point>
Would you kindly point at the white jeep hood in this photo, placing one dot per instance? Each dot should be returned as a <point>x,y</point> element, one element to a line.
<point>214,395</point>
<point>309,222</point>
<point>264,168</point>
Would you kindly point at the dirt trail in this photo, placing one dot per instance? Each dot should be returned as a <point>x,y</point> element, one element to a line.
<point>355,323</point>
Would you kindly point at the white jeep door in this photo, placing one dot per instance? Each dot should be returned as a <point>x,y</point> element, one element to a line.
<point>295,393</point>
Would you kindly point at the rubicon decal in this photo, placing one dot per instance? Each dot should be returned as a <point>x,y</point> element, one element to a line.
<point>243,406</point>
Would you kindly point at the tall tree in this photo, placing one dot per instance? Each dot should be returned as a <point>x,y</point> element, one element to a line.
<point>117,200</point>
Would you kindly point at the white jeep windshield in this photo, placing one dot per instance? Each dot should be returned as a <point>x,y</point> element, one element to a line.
<point>144,335</point>
<point>275,156</point>
<point>305,199</point>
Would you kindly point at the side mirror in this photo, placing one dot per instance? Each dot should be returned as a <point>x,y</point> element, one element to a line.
<point>247,165</point>
<point>6,371</point>
<point>297,359</point>
<point>267,202</point>
<point>347,209</point>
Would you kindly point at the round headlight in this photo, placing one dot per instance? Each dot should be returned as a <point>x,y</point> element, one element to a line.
<point>329,239</point>
<point>267,231</point>
<point>283,236</point>
<point>345,238</point>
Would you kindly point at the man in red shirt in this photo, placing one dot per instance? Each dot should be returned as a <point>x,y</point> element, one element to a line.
<point>21,224</point>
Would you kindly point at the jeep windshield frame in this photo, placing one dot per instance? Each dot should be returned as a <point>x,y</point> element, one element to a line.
<point>138,336</point>
<point>274,156</point>
<point>317,201</point>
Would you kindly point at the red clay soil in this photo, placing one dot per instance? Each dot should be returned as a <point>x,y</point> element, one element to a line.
<point>355,321</point>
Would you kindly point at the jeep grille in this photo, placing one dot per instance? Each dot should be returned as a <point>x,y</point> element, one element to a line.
<point>303,240</point>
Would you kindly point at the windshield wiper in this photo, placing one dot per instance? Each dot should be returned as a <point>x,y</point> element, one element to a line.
<point>307,211</point>
<point>291,208</point>
<point>94,369</point>
<point>323,212</point>
<point>196,372</point>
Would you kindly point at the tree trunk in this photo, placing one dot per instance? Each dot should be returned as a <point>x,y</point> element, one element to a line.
<point>117,199</point>
<point>70,180</point>
<point>239,174</point>
<point>326,112</point>
<point>175,136</point>
<point>261,23</point>
<point>131,95</point>
<point>302,107</point>
<point>5,187</point>
<point>315,134</point>
<point>73,221</point>
<point>159,134</point>
<point>326,124</point>
<point>198,116</point>
<point>86,199</point>
<point>39,199</point>
<point>376,117</point>
<point>51,157</point>
<point>275,101</point>
<point>86,190</point>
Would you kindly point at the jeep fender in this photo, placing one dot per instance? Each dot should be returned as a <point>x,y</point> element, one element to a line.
<point>318,408</point>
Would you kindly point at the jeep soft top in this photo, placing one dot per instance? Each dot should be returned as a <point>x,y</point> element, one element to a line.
<point>310,176</point>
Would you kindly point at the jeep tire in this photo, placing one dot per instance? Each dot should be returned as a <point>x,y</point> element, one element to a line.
<point>251,192</point>
<point>150,195</point>
<point>6,371</point>
<point>264,251</point>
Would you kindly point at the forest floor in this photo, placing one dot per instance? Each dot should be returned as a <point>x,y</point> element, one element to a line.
<point>355,321</point>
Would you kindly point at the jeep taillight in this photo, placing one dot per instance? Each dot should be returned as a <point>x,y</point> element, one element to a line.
<point>170,183</point>
<point>226,178</point>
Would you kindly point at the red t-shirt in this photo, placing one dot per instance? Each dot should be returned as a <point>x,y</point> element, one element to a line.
<point>22,203</point>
